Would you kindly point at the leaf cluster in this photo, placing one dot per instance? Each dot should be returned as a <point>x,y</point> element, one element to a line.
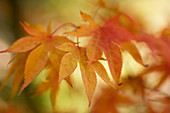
<point>41,49</point>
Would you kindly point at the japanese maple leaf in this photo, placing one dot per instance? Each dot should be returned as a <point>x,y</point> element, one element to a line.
<point>69,62</point>
<point>17,70</point>
<point>110,39</point>
<point>142,90</point>
<point>41,43</point>
<point>49,83</point>
<point>159,47</point>
<point>51,80</point>
<point>108,101</point>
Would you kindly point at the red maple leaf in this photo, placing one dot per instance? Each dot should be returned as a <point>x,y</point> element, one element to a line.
<point>110,38</point>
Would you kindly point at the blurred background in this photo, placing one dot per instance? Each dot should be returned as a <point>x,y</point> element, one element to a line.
<point>153,15</point>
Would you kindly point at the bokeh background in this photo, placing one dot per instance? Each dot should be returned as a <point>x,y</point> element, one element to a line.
<point>153,15</point>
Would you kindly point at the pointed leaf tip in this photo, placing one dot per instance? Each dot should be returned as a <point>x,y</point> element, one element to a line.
<point>119,84</point>
<point>89,105</point>
<point>23,44</point>
<point>81,12</point>
<point>34,30</point>
<point>86,17</point>
<point>22,88</point>
<point>49,28</point>
<point>146,65</point>
<point>68,80</point>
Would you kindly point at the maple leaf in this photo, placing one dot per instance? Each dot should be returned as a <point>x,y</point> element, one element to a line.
<point>159,47</point>
<point>52,75</point>
<point>69,62</point>
<point>17,70</point>
<point>110,39</point>
<point>41,44</point>
<point>111,101</point>
<point>49,83</point>
<point>108,101</point>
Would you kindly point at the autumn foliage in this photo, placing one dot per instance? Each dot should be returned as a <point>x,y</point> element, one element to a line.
<point>42,49</point>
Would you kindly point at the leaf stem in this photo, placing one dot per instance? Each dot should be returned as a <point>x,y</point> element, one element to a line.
<point>77,42</point>
<point>66,24</point>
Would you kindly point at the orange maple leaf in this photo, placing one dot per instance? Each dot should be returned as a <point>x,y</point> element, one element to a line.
<point>74,55</point>
<point>49,83</point>
<point>42,46</point>
<point>110,39</point>
<point>16,69</point>
<point>51,80</point>
<point>108,101</point>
